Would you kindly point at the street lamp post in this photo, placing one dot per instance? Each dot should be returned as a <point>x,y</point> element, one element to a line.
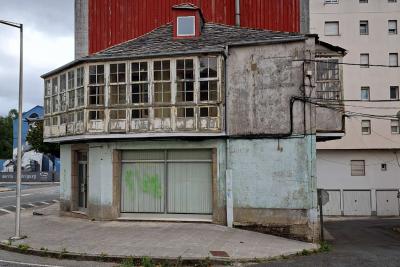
<point>19,149</point>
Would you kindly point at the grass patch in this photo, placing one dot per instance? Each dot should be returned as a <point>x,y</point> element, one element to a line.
<point>324,247</point>
<point>129,262</point>
<point>23,247</point>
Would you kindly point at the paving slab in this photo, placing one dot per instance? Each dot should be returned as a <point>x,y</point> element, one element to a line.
<point>153,239</point>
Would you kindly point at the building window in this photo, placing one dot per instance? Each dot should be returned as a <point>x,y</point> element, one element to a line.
<point>184,80</point>
<point>54,121</point>
<point>140,83</point>
<point>208,79</point>
<point>331,1</point>
<point>96,115</point>
<point>366,127</point>
<point>162,82</point>
<point>383,167</point>
<point>71,89</point>
<point>186,26</point>
<point>54,86</point>
<point>96,85</point>
<point>394,93</point>
<point>393,59</point>
<point>392,1</point>
<point>63,88</point>
<point>394,126</point>
<point>47,105</point>
<point>117,84</point>
<point>47,87</point>
<point>162,113</point>
<point>363,1</point>
<point>185,112</point>
<point>328,83</point>
<point>140,113</point>
<point>79,116</point>
<point>80,91</point>
<point>208,112</point>
<point>331,28</point>
<point>71,117</point>
<point>392,26</point>
<point>119,114</point>
<point>357,167</point>
<point>365,93</point>
<point>364,27</point>
<point>364,60</point>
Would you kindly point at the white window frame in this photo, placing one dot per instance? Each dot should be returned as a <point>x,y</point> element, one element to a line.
<point>367,89</point>
<point>117,85</point>
<point>364,65</point>
<point>194,26</point>
<point>395,124</point>
<point>332,22</point>
<point>140,83</point>
<point>366,30</point>
<point>366,124</point>
<point>393,59</point>
<point>396,88</point>
<point>392,30</point>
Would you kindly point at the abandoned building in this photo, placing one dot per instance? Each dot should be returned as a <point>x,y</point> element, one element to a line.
<point>196,121</point>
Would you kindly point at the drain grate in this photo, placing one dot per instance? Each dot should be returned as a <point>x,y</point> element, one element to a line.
<point>219,253</point>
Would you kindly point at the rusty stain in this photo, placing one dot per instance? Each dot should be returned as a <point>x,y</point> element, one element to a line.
<point>219,253</point>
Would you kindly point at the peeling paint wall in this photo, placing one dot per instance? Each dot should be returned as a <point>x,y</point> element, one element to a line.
<point>65,174</point>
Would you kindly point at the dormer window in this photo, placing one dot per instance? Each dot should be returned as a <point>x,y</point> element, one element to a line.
<point>186,26</point>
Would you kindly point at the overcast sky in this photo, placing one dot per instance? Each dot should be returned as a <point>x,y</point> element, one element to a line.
<point>48,43</point>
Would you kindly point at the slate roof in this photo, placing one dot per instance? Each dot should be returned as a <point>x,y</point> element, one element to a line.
<point>160,42</point>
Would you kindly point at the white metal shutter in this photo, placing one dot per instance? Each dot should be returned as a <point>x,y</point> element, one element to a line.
<point>387,203</point>
<point>333,206</point>
<point>357,202</point>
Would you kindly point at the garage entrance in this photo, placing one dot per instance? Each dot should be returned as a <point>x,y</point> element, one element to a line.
<point>357,202</point>
<point>166,181</point>
<point>387,203</point>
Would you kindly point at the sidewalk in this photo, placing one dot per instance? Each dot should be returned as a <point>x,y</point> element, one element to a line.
<point>154,239</point>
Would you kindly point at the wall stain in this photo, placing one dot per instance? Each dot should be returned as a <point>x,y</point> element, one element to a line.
<point>148,183</point>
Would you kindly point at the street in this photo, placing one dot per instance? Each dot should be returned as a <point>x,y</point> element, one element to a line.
<point>364,242</point>
<point>31,196</point>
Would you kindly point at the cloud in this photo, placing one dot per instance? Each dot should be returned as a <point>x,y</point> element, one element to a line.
<point>48,43</point>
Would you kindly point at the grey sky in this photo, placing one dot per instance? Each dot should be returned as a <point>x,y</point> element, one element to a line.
<point>48,43</point>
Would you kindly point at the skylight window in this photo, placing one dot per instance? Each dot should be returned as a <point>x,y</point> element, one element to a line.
<point>186,26</point>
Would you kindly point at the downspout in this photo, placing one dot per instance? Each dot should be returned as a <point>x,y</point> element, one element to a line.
<point>228,172</point>
<point>237,12</point>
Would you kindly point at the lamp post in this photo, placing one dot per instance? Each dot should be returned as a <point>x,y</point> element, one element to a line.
<point>19,149</point>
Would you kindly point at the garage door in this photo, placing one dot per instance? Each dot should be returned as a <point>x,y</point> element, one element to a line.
<point>333,205</point>
<point>166,181</point>
<point>387,203</point>
<point>357,202</point>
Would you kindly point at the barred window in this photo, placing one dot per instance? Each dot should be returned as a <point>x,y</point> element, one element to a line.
<point>208,79</point>
<point>185,80</point>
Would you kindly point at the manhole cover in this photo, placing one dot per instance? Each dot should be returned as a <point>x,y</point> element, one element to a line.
<point>219,253</point>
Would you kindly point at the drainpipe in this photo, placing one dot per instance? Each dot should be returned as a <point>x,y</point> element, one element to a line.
<point>237,12</point>
<point>228,172</point>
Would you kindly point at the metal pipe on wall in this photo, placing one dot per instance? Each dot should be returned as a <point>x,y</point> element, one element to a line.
<point>237,12</point>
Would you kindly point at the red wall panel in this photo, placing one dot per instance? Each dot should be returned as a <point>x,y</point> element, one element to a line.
<point>115,21</point>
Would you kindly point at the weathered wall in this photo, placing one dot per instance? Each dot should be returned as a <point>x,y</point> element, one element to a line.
<point>329,120</point>
<point>65,177</point>
<point>81,28</point>
<point>261,80</point>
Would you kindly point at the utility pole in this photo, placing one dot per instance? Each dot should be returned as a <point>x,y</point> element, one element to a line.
<point>19,149</point>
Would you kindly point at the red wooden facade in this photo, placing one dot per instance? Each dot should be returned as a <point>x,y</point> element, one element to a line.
<point>115,21</point>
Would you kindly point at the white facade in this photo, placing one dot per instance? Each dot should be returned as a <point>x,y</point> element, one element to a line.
<point>369,32</point>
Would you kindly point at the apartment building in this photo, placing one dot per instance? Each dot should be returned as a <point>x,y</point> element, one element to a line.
<point>362,170</point>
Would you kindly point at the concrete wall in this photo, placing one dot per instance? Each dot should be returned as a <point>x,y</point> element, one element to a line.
<point>81,28</point>
<point>65,177</point>
<point>261,80</point>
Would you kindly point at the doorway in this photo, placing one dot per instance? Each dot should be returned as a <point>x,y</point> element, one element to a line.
<point>82,180</point>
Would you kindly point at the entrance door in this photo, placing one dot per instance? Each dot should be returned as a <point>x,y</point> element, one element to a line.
<point>82,180</point>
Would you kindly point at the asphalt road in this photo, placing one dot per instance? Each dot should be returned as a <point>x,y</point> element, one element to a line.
<point>31,196</point>
<point>368,242</point>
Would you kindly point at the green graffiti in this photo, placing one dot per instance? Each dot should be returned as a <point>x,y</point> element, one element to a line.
<point>151,184</point>
<point>148,183</point>
<point>129,180</point>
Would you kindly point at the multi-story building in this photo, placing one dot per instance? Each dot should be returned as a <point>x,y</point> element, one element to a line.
<point>362,170</point>
<point>195,121</point>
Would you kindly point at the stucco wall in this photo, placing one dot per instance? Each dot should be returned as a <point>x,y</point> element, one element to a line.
<point>65,176</point>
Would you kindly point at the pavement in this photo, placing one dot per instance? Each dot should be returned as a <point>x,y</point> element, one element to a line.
<point>162,240</point>
<point>32,196</point>
<point>355,242</point>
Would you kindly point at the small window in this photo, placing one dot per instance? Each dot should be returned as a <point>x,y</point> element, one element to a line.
<point>186,26</point>
<point>383,167</point>
<point>364,27</point>
<point>363,1</point>
<point>96,115</point>
<point>394,126</point>
<point>366,127</point>
<point>394,59</point>
<point>392,26</point>
<point>140,113</point>
<point>394,93</point>
<point>364,60</point>
<point>365,93</point>
<point>332,28</point>
<point>357,168</point>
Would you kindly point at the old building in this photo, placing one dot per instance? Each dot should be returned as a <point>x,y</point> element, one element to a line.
<point>195,121</point>
<point>361,170</point>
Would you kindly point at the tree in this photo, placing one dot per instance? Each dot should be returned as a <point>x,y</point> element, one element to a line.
<point>6,134</point>
<point>35,139</point>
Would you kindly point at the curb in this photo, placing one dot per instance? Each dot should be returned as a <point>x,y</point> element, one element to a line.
<point>137,260</point>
